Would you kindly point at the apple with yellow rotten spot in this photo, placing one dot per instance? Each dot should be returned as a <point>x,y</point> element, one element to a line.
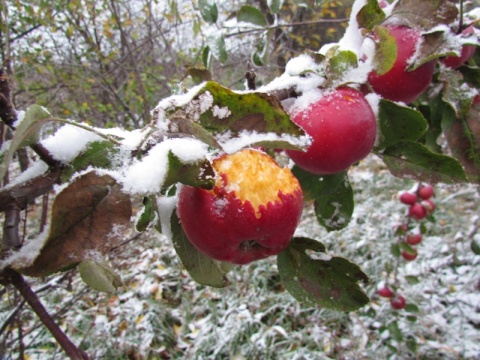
<point>251,213</point>
<point>343,128</point>
<point>399,84</point>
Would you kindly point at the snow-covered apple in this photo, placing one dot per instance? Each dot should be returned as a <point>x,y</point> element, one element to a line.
<point>385,292</point>
<point>414,239</point>
<point>399,84</point>
<point>454,62</point>
<point>425,191</point>
<point>251,213</point>
<point>407,198</point>
<point>410,256</point>
<point>343,128</point>
<point>417,211</point>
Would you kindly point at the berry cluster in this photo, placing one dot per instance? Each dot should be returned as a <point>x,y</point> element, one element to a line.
<point>420,207</point>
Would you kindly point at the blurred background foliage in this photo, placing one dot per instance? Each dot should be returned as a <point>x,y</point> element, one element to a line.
<point>108,62</point>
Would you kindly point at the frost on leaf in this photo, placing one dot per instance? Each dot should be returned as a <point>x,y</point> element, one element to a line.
<point>315,279</point>
<point>88,217</point>
<point>215,111</point>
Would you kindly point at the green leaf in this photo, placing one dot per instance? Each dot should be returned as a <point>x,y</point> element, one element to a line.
<point>334,211</point>
<point>27,133</point>
<point>399,123</point>
<point>275,5</point>
<point>98,154</point>
<point>413,160</point>
<point>456,93</point>
<point>207,57</point>
<point>463,138</point>
<point>340,63</point>
<point>395,331</point>
<point>332,195</point>
<point>370,15</point>
<point>395,250</point>
<point>314,278</point>
<point>407,248</point>
<point>385,50</point>
<point>208,11</point>
<point>99,275</point>
<point>412,308</point>
<point>199,174</point>
<point>201,268</point>
<point>216,44</point>
<point>250,15</point>
<point>412,280</point>
<point>234,113</point>
<point>412,344</point>
<point>475,245</point>
<point>315,186</point>
<point>148,215</point>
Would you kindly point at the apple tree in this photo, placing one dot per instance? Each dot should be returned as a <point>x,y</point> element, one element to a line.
<point>226,174</point>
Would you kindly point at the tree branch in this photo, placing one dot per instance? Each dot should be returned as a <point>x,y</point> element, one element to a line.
<point>17,280</point>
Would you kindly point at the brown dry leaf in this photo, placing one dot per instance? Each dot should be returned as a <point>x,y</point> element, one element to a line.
<point>87,220</point>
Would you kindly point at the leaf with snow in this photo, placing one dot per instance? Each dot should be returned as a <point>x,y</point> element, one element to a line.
<point>87,221</point>
<point>370,15</point>
<point>198,174</point>
<point>201,268</point>
<point>97,154</point>
<point>385,50</point>
<point>415,161</point>
<point>250,16</point>
<point>27,133</point>
<point>216,45</point>
<point>224,113</point>
<point>208,11</point>
<point>317,279</point>
<point>425,13</point>
<point>399,123</point>
<point>340,63</point>
<point>99,275</point>
<point>434,45</point>
<point>148,214</point>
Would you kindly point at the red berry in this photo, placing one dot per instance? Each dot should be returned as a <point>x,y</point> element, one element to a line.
<point>385,292</point>
<point>408,256</point>
<point>429,206</point>
<point>417,211</point>
<point>408,198</point>
<point>414,239</point>
<point>398,302</point>
<point>425,192</point>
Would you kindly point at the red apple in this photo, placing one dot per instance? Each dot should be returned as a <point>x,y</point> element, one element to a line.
<point>425,191</point>
<point>409,257</point>
<point>343,129</point>
<point>417,211</point>
<point>408,198</point>
<point>414,239</point>
<point>398,302</point>
<point>467,52</point>
<point>251,213</point>
<point>399,84</point>
<point>385,292</point>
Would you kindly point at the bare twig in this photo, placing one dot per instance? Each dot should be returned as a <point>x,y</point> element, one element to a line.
<point>250,76</point>
<point>17,280</point>
<point>11,235</point>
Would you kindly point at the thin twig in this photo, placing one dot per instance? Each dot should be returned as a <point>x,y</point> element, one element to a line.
<point>33,300</point>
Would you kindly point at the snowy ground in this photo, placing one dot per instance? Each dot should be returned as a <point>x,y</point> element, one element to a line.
<point>161,313</point>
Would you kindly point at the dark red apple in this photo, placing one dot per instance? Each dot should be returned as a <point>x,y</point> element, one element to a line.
<point>251,213</point>
<point>399,84</point>
<point>428,205</point>
<point>467,52</point>
<point>343,128</point>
